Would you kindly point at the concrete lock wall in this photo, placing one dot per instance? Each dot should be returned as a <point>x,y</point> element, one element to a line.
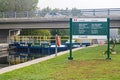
<point>4,34</point>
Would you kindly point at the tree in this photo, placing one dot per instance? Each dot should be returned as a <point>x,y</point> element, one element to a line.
<point>61,32</point>
<point>35,32</point>
<point>45,11</point>
<point>17,5</point>
<point>76,12</point>
<point>56,10</point>
<point>119,31</point>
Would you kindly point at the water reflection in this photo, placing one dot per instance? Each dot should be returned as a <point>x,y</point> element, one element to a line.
<point>18,57</point>
<point>19,53</point>
<point>4,59</point>
<point>12,57</point>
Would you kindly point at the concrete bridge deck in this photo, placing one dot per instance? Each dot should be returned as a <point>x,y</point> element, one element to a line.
<point>25,23</point>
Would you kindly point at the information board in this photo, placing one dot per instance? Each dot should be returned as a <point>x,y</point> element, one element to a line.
<point>89,26</point>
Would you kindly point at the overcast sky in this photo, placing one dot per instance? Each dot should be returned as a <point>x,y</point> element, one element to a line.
<point>80,4</point>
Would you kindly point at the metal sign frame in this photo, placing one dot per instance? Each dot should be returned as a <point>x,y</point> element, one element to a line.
<point>89,21</point>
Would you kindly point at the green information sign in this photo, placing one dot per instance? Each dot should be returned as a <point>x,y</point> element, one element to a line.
<point>89,26</point>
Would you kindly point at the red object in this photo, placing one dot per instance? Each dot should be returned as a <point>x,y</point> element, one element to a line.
<point>58,40</point>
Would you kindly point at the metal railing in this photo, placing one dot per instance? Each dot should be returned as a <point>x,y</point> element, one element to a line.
<point>115,12</point>
<point>37,39</point>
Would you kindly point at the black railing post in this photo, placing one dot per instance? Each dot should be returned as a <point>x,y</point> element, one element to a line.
<point>27,14</point>
<point>93,12</point>
<point>108,11</point>
<point>3,15</point>
<point>14,14</point>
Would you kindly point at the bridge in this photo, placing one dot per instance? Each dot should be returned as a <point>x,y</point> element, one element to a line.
<point>43,23</point>
<point>39,19</point>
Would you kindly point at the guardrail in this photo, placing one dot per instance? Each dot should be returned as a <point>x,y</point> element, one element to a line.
<point>66,13</point>
<point>37,39</point>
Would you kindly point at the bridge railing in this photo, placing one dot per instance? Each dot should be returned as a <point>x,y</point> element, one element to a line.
<point>115,12</point>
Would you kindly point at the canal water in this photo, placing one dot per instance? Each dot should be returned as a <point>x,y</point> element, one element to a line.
<point>21,54</point>
<point>3,59</point>
<point>8,58</point>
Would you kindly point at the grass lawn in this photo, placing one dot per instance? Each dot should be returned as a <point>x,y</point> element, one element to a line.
<point>88,64</point>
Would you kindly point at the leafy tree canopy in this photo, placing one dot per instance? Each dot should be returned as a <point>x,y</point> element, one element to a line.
<point>17,5</point>
<point>35,32</point>
<point>119,31</point>
<point>61,32</point>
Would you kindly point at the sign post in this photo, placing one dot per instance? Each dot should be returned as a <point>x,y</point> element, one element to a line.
<point>89,26</point>
<point>108,38</point>
<point>70,57</point>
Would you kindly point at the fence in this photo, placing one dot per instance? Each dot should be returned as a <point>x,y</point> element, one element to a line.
<point>65,13</point>
<point>37,39</point>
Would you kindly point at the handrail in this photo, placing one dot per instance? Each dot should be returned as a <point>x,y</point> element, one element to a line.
<point>45,39</point>
<point>39,39</point>
<point>66,13</point>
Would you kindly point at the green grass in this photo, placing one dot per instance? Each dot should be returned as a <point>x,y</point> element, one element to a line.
<point>88,64</point>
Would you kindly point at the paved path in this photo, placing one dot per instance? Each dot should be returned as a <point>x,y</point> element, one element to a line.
<point>13,67</point>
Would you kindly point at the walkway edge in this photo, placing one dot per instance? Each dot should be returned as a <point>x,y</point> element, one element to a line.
<point>21,65</point>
